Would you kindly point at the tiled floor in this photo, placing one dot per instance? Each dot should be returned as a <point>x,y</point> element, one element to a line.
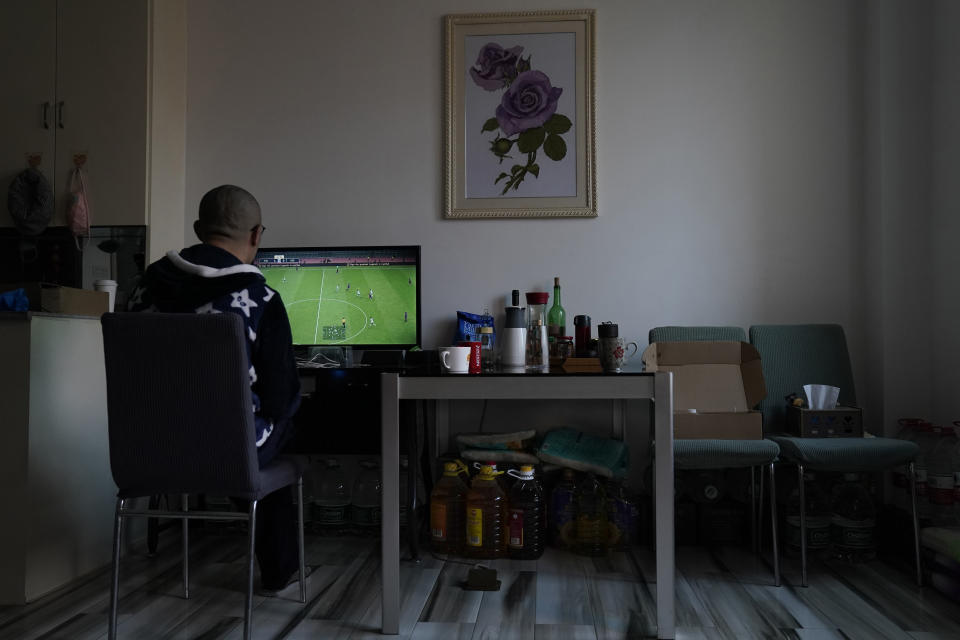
<point>724,593</point>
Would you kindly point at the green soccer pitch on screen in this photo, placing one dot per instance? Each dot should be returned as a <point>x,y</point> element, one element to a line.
<point>366,297</point>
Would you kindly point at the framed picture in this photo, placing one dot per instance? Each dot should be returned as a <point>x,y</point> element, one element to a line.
<point>519,115</point>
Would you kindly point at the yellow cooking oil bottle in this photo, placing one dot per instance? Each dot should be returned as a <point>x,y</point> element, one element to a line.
<point>447,508</point>
<point>486,516</point>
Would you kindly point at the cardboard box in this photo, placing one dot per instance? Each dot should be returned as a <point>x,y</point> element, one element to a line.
<point>54,298</point>
<point>841,422</point>
<point>715,387</point>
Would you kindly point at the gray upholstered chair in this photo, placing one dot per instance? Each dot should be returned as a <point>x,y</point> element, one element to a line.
<point>725,454</point>
<point>181,422</point>
<point>795,355</point>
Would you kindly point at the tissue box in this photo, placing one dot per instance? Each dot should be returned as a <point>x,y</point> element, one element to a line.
<point>715,387</point>
<point>841,422</point>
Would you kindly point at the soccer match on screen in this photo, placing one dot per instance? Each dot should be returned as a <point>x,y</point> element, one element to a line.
<point>345,297</point>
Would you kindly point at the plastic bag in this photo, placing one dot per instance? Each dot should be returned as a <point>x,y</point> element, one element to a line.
<point>468,326</point>
<point>78,207</point>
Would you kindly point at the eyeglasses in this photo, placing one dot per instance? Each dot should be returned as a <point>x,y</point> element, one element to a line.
<point>258,226</point>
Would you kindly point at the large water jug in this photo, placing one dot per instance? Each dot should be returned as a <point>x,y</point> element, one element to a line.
<point>367,492</point>
<point>331,498</point>
<point>853,521</point>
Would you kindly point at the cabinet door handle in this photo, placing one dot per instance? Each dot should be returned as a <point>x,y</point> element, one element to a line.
<point>60,114</point>
<point>46,113</point>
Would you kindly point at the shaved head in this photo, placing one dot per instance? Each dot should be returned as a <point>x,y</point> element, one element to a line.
<point>228,212</point>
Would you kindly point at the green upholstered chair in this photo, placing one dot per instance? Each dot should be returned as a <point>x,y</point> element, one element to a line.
<point>795,355</point>
<point>725,454</point>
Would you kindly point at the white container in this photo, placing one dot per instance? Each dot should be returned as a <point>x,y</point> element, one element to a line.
<point>110,286</point>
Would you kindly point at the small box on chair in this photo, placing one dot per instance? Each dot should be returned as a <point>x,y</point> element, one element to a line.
<point>841,422</point>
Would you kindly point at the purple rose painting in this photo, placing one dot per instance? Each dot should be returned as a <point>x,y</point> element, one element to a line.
<point>528,103</point>
<point>496,67</point>
<point>526,120</point>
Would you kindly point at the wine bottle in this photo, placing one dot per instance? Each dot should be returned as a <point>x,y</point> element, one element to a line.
<point>556,317</point>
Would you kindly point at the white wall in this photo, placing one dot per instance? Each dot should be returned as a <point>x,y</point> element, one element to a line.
<point>731,141</point>
<point>945,227</point>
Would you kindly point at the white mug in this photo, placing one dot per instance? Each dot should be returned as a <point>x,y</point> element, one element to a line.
<point>455,359</point>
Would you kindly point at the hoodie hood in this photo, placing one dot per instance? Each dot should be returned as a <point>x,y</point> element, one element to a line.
<point>196,275</point>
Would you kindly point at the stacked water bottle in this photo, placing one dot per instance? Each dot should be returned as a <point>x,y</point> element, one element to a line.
<point>937,471</point>
<point>840,519</point>
<point>337,509</point>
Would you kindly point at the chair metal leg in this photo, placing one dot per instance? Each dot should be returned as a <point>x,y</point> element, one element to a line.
<point>773,526</point>
<point>916,524</point>
<point>760,516</point>
<point>753,510</point>
<point>303,569</point>
<point>248,609</point>
<point>803,527</point>
<point>115,578</point>
<point>185,505</point>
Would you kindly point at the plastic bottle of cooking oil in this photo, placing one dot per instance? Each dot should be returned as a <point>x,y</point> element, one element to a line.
<point>591,530</point>
<point>447,508</point>
<point>486,515</point>
<point>525,516</point>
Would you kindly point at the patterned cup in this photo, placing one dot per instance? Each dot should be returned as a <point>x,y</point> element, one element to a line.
<point>613,351</point>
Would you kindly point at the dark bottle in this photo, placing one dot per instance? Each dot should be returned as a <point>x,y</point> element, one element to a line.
<point>486,515</point>
<point>563,511</point>
<point>557,316</point>
<point>447,508</point>
<point>525,516</point>
<point>622,517</point>
<point>591,528</point>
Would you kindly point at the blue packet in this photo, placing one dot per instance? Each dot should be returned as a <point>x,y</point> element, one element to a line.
<point>468,326</point>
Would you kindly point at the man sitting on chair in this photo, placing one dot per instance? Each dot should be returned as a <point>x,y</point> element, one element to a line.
<point>217,276</point>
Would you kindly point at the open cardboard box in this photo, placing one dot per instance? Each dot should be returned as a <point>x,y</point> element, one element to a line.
<point>54,298</point>
<point>715,387</point>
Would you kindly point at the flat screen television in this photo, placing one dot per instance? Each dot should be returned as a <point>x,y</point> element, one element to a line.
<point>362,297</point>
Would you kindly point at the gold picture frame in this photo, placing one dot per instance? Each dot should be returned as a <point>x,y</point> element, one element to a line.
<point>519,115</point>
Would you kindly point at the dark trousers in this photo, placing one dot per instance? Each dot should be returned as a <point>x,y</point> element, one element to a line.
<point>276,536</point>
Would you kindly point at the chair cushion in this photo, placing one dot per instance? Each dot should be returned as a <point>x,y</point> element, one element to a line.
<point>846,454</point>
<point>281,472</point>
<point>723,454</point>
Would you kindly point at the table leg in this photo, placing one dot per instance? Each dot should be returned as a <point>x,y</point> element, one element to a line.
<point>390,512</point>
<point>663,505</point>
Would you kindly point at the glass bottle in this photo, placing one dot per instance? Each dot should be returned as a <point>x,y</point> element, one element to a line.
<point>538,352</point>
<point>557,317</point>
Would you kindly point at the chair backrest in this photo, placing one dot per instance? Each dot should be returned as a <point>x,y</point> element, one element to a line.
<point>179,404</point>
<point>799,354</point>
<point>697,334</point>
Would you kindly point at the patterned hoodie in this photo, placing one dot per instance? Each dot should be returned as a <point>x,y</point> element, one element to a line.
<point>206,279</point>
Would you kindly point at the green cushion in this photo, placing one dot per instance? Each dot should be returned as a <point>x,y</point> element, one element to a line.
<point>846,454</point>
<point>696,334</point>
<point>799,354</point>
<point>723,454</point>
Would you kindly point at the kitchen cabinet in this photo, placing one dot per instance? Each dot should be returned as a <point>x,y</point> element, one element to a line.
<point>105,78</point>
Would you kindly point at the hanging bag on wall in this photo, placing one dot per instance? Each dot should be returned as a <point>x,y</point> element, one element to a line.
<point>78,207</point>
<point>30,202</point>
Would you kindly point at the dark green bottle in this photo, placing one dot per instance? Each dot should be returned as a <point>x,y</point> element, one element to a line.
<point>556,317</point>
